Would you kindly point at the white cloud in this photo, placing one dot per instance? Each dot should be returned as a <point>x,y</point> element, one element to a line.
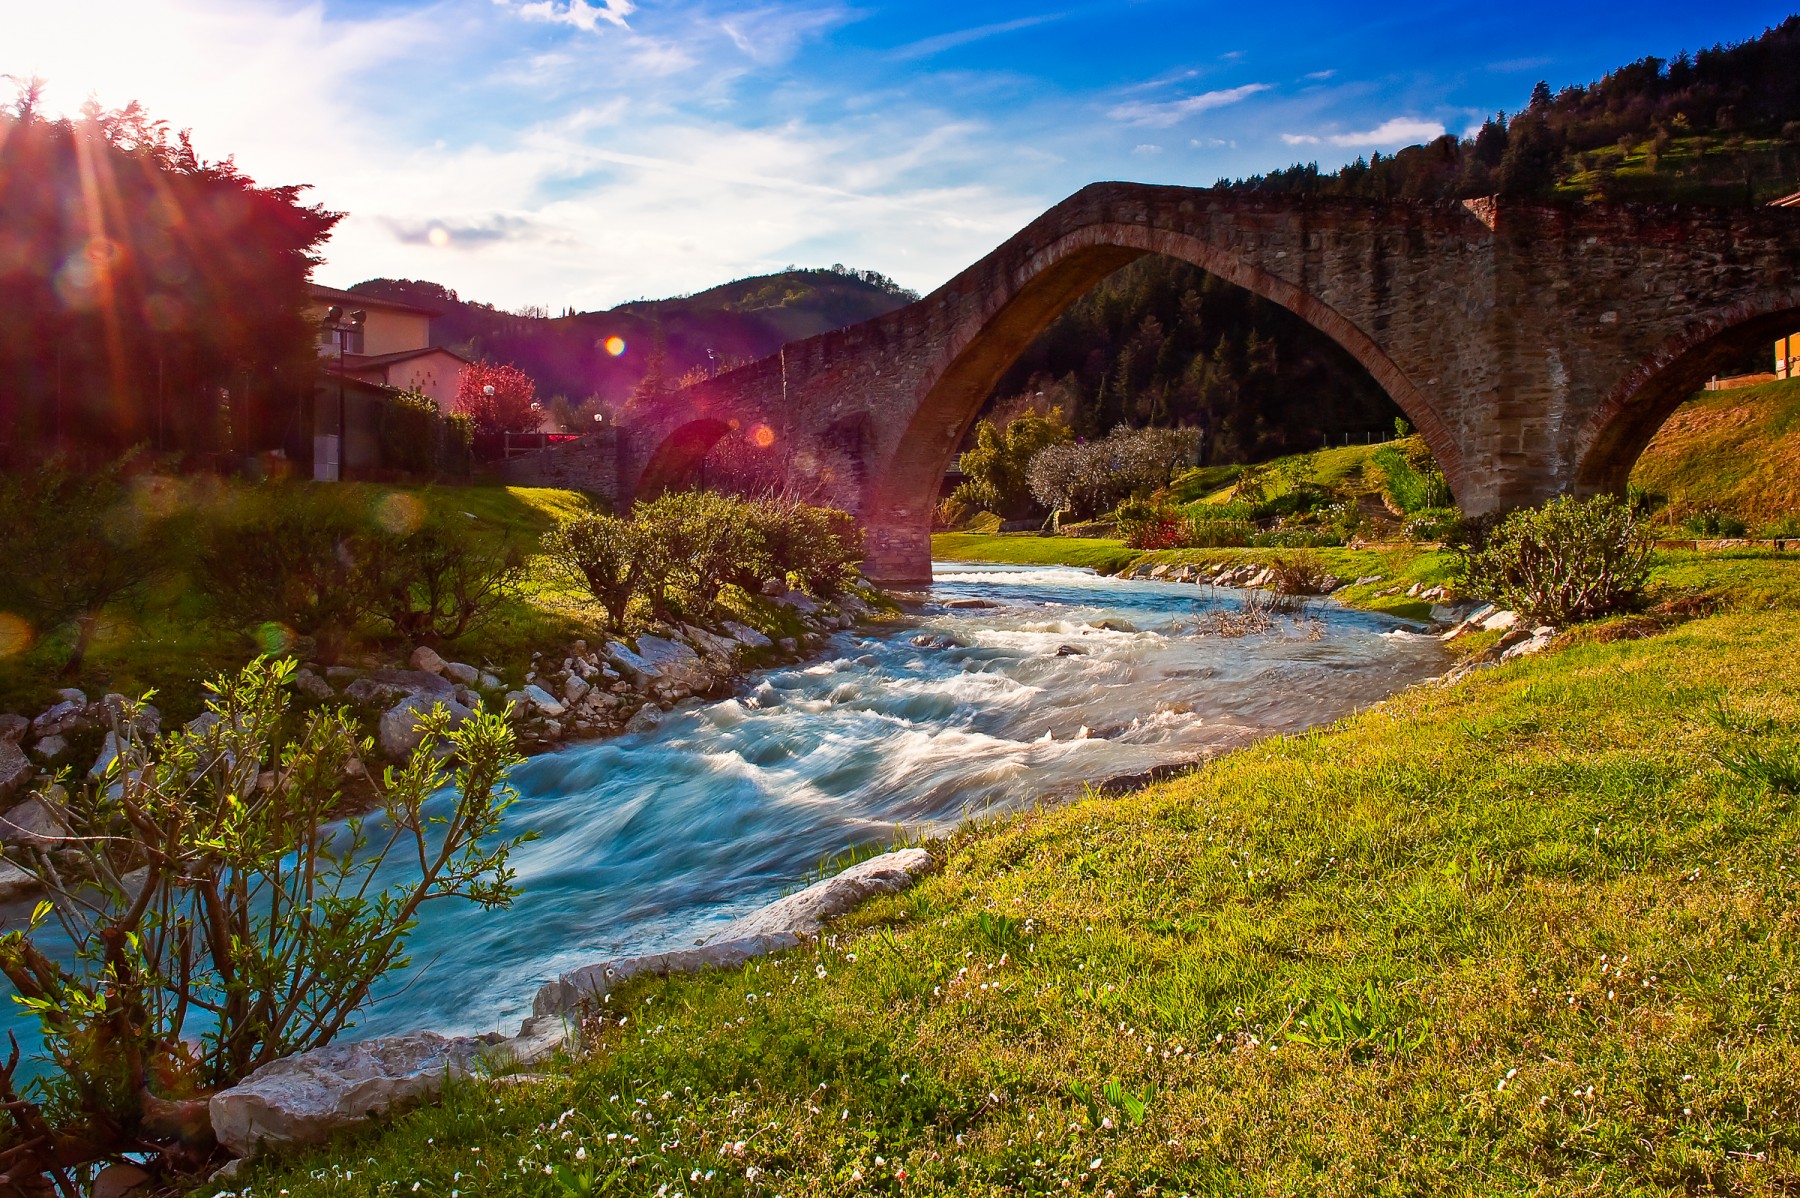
<point>1299,139</point>
<point>1147,149</point>
<point>1162,114</point>
<point>578,14</point>
<point>1320,75</point>
<point>1396,131</point>
<point>925,47</point>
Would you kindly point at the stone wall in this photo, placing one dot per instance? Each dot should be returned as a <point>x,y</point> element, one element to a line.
<point>590,465</point>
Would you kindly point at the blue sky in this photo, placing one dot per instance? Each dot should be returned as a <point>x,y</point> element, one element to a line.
<point>586,152</point>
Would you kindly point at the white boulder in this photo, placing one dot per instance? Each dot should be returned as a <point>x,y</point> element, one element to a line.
<point>542,700</point>
<point>34,821</point>
<point>806,912</point>
<point>303,1099</point>
<point>399,730</point>
<point>426,658</point>
<point>16,883</point>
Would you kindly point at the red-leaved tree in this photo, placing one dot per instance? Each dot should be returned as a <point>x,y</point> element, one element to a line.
<point>498,398</point>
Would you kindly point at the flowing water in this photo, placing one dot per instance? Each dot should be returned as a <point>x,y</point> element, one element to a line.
<point>648,842</point>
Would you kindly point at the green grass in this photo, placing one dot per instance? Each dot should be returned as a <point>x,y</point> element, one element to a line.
<point>1533,934</point>
<point>169,640</point>
<point>1330,467</point>
<point>1029,549</point>
<point>1736,450</point>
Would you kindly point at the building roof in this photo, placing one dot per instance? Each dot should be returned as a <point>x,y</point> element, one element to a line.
<point>376,361</point>
<point>334,296</point>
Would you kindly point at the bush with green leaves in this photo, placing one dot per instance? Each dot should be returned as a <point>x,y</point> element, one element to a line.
<point>221,917</point>
<point>600,553</point>
<point>678,552</point>
<point>420,438</point>
<point>1569,560</point>
<point>1411,479</point>
<point>318,561</point>
<point>1714,522</point>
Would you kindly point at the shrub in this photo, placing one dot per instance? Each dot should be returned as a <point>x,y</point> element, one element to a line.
<point>1412,481</point>
<point>1433,524</point>
<point>74,544</point>
<point>1572,559</point>
<point>286,555</point>
<point>435,584</point>
<point>221,920</point>
<point>601,553</point>
<point>1714,522</point>
<point>317,561</point>
<point>815,548</point>
<point>691,544</point>
<point>1298,574</point>
<point>1783,527</point>
<point>417,437</point>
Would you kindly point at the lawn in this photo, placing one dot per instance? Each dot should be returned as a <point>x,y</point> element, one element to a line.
<point>1534,933</point>
<point>1736,451</point>
<point>170,640</point>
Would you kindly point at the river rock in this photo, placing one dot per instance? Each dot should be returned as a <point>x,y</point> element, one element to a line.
<point>312,686</point>
<point>575,689</point>
<point>594,982</point>
<point>426,658</point>
<point>50,748</point>
<point>16,770</point>
<point>1539,640</point>
<point>1070,651</point>
<point>303,1099</point>
<point>711,643</point>
<point>806,912</point>
<point>399,731</point>
<point>659,659</point>
<point>462,674</point>
<point>747,636</point>
<point>16,883</point>
<point>970,603</point>
<point>35,822</point>
<point>798,601</point>
<point>647,717</point>
<point>542,700</point>
<point>70,715</point>
<point>1500,621</point>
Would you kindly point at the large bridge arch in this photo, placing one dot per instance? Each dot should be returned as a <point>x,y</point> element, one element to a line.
<point>1624,424</point>
<point>992,337</point>
<point>1536,347</point>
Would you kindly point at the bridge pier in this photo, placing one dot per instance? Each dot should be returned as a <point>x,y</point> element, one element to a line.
<point>897,554</point>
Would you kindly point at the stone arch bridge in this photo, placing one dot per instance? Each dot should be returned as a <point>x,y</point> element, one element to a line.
<point>1536,348</point>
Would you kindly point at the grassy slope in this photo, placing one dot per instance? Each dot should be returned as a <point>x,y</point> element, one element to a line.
<point>1328,467</point>
<point>1737,450</point>
<point>1319,958</point>
<point>169,642</point>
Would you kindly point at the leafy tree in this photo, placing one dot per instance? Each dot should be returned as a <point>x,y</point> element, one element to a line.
<point>604,555</point>
<point>1087,478</point>
<point>507,408</point>
<point>994,469</point>
<point>171,310</point>
<point>220,917</point>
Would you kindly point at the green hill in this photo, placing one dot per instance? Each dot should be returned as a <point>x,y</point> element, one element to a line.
<point>735,322</point>
<point>1733,453</point>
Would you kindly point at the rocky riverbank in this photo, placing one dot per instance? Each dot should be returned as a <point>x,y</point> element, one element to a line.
<point>581,692</point>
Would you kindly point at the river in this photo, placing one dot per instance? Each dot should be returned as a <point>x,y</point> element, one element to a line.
<point>649,841</point>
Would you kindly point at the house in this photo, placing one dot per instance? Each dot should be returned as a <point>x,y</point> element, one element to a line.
<point>1787,357</point>
<point>390,347</point>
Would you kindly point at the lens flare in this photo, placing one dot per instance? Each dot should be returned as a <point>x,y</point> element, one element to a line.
<point>399,513</point>
<point>762,436</point>
<point>614,345</point>
<point>438,236</point>
<point>15,634</point>
<point>274,638</point>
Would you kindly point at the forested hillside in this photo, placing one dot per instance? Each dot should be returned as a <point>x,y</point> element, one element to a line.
<point>569,355</point>
<point>1721,126</point>
<point>1161,342</point>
